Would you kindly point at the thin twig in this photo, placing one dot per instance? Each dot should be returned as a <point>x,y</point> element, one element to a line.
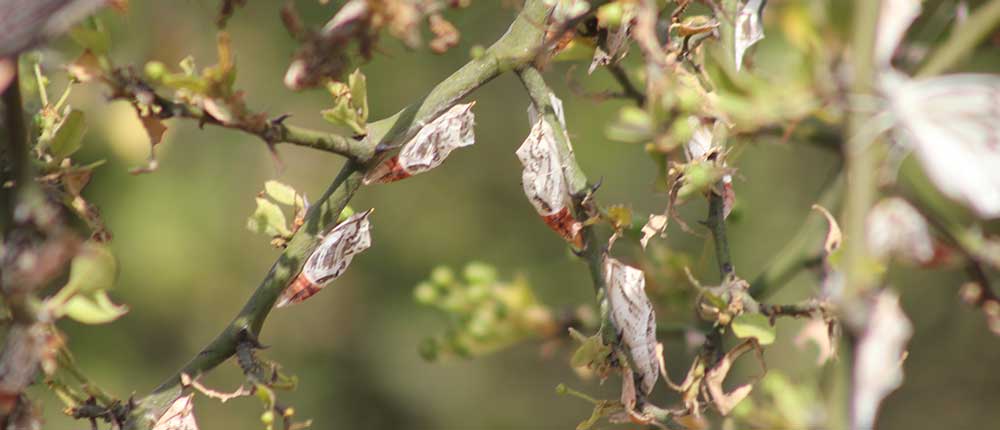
<point>628,89</point>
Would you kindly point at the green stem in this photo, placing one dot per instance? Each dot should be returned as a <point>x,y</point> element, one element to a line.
<point>980,25</point>
<point>716,223</point>
<point>861,162</point>
<point>861,155</point>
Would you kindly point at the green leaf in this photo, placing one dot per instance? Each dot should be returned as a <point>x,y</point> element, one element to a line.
<point>593,350</point>
<point>359,94</point>
<point>69,136</point>
<point>754,325</point>
<point>92,35</point>
<point>268,219</point>
<point>93,309</point>
<point>342,115</point>
<point>280,192</point>
<point>93,269</point>
<point>346,213</point>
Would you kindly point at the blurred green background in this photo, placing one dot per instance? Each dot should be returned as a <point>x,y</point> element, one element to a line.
<point>188,261</point>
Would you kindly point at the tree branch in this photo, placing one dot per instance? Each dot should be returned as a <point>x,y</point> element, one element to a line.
<point>514,49</point>
<point>628,89</point>
<point>716,222</point>
<point>132,88</point>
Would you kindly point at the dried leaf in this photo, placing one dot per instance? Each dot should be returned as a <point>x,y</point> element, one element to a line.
<point>749,30</point>
<point>324,55</point>
<point>155,129</point>
<point>878,359</point>
<point>179,416</point>
<point>656,224</point>
<point>728,196</point>
<point>833,236</point>
<point>617,45</point>
<point>445,34</point>
<point>714,378</point>
<point>633,317</point>
<point>86,67</point>
<point>817,331</point>
<point>330,258</point>
<point>429,148</point>
<point>700,146</point>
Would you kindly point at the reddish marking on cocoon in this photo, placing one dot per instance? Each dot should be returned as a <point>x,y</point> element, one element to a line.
<point>567,226</point>
<point>388,171</point>
<point>300,289</point>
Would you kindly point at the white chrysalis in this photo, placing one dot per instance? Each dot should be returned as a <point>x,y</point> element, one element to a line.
<point>543,179</point>
<point>433,143</point>
<point>633,317</point>
<point>748,29</point>
<point>330,259</point>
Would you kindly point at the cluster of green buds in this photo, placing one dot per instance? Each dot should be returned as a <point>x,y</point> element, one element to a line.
<point>485,314</point>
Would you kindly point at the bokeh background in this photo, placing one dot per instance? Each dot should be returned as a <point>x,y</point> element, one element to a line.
<point>188,262</point>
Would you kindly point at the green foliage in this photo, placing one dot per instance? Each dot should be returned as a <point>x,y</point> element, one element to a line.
<point>69,135</point>
<point>92,35</point>
<point>269,218</point>
<point>94,269</point>
<point>485,314</point>
<point>94,308</point>
<point>754,325</point>
<point>350,108</point>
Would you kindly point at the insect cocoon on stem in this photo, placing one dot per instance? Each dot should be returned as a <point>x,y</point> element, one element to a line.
<point>428,149</point>
<point>330,259</point>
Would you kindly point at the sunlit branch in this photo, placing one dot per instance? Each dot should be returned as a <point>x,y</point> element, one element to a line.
<point>514,49</point>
